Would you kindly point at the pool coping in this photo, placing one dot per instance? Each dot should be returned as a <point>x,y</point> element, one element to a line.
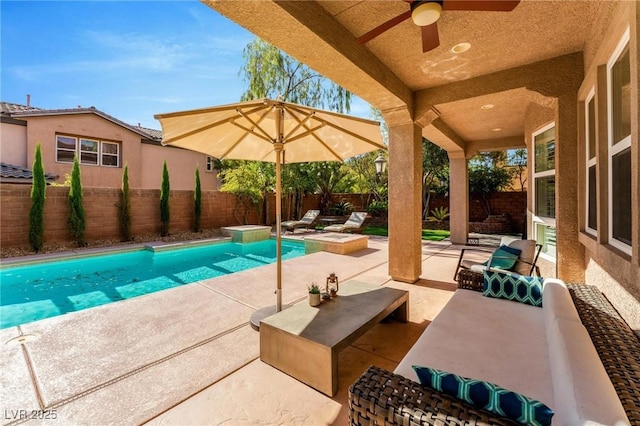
<point>81,252</point>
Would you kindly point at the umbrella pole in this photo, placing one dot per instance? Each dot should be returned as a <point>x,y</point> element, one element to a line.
<point>278,149</point>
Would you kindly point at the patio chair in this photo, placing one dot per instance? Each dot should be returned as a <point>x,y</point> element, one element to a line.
<point>307,221</point>
<point>514,256</point>
<point>353,224</point>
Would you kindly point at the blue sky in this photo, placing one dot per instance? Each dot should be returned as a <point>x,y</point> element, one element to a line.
<point>130,59</point>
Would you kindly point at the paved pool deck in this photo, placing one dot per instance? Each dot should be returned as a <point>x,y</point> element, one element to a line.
<point>188,355</point>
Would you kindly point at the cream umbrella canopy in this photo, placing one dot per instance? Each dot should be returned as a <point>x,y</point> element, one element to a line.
<point>268,130</point>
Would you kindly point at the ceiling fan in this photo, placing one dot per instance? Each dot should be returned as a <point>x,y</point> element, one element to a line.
<point>425,14</point>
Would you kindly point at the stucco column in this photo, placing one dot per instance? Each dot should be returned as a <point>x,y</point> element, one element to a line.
<point>405,202</point>
<point>570,255</point>
<point>458,197</point>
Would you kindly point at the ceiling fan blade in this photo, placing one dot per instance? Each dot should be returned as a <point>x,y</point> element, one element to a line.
<point>481,5</point>
<point>430,39</point>
<point>384,27</point>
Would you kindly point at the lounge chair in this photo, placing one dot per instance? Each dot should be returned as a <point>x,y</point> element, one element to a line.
<point>308,221</point>
<point>353,224</point>
<point>514,256</point>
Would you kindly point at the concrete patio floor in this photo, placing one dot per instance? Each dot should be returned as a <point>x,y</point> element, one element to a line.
<point>188,355</point>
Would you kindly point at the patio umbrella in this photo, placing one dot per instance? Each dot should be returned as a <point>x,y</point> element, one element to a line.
<point>268,130</point>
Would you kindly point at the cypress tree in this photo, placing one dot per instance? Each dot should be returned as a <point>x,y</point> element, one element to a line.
<point>76,220</point>
<point>197,198</point>
<point>164,202</point>
<point>36,213</point>
<point>124,207</point>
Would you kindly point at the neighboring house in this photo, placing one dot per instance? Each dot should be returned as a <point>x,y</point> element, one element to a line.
<point>103,145</point>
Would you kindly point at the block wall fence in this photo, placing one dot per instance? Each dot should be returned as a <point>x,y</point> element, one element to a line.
<point>101,211</point>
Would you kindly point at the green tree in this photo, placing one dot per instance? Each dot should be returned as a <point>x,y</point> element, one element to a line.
<point>36,213</point>
<point>488,173</point>
<point>328,177</point>
<point>246,181</point>
<point>76,220</point>
<point>197,204</point>
<point>517,160</point>
<point>124,207</point>
<point>270,73</point>
<point>435,171</point>
<point>298,180</point>
<point>165,214</point>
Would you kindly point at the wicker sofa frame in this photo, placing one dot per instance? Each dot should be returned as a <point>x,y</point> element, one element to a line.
<point>380,397</point>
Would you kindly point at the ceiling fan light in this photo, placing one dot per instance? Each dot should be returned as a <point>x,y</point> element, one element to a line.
<point>425,13</point>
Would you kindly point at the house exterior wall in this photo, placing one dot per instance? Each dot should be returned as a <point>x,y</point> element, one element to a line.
<point>43,130</point>
<point>143,159</point>
<point>13,142</point>
<point>615,272</point>
<point>181,164</point>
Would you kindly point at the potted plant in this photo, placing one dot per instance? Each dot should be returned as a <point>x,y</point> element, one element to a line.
<point>314,294</point>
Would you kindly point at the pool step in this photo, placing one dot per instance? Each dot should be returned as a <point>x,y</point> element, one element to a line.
<point>157,246</point>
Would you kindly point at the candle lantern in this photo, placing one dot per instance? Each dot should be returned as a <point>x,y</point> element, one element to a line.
<point>332,285</point>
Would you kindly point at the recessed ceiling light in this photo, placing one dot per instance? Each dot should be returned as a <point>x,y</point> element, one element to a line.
<point>496,129</point>
<point>487,106</point>
<point>461,47</point>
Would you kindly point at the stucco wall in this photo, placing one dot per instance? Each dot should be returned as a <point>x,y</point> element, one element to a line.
<point>181,165</point>
<point>13,144</point>
<point>617,274</point>
<point>144,160</point>
<point>43,130</point>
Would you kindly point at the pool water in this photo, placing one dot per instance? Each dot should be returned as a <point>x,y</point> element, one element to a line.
<point>47,289</point>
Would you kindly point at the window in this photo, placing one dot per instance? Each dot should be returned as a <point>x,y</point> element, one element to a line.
<point>590,150</point>
<point>210,165</point>
<point>110,154</point>
<point>65,149</point>
<point>619,146</point>
<point>89,151</point>
<point>544,181</point>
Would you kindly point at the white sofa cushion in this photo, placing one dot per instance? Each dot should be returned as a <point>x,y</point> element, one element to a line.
<point>557,301</point>
<point>494,340</point>
<point>583,393</point>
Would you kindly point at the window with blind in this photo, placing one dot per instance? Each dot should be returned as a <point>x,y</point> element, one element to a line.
<point>544,181</point>
<point>590,150</point>
<point>619,146</point>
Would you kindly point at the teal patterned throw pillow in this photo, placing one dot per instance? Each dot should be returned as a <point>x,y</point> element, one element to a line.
<point>519,288</point>
<point>504,257</point>
<point>486,395</point>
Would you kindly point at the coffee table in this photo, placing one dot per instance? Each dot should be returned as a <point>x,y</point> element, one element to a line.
<point>304,341</point>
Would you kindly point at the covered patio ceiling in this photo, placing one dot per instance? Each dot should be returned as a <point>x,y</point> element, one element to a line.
<point>392,73</point>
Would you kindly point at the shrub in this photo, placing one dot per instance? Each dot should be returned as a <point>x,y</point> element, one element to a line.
<point>342,208</point>
<point>165,214</point>
<point>378,208</point>
<point>76,219</point>
<point>197,204</point>
<point>124,207</point>
<point>440,214</point>
<point>36,214</point>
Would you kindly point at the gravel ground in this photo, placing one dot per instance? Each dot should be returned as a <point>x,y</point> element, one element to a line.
<point>6,252</point>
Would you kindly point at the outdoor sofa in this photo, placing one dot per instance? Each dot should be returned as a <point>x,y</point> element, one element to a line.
<point>585,375</point>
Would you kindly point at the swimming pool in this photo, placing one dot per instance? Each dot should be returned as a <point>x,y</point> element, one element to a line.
<point>47,289</point>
